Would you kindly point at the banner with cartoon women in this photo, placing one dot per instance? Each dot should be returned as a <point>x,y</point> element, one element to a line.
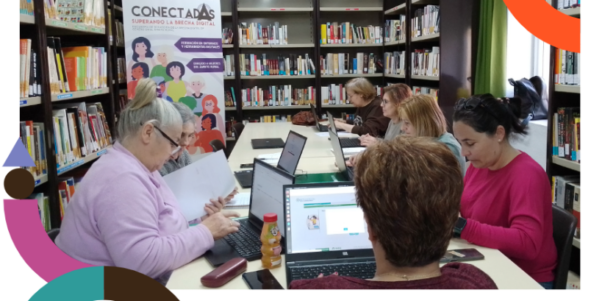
<point>177,43</point>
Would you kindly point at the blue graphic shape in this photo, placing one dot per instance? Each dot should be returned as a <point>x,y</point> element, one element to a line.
<point>19,156</point>
<point>86,284</point>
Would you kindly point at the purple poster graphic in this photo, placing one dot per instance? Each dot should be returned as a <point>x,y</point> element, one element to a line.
<point>206,65</point>
<point>199,45</point>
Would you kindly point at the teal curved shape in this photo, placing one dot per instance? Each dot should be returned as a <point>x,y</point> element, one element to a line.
<point>86,284</point>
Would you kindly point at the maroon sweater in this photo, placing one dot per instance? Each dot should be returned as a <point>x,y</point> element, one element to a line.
<point>453,276</point>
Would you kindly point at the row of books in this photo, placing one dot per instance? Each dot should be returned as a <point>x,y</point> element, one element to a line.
<point>566,194</point>
<point>277,96</point>
<point>123,100</point>
<point>229,124</point>
<point>296,65</point>
<point>348,33</point>
<point>425,62</point>
<point>426,90</point>
<point>118,38</point>
<point>79,131</point>
<point>67,187</point>
<point>566,140</point>
<point>567,68</point>
<point>30,75</point>
<point>336,94</point>
<point>43,207</point>
<point>394,63</point>
<point>395,29</point>
<point>229,65</point>
<point>87,12</point>
<point>121,70</point>
<point>564,4</point>
<point>227,35</point>
<point>27,7</point>
<point>425,21</point>
<point>230,98</point>
<point>32,135</point>
<point>257,34</point>
<point>343,63</point>
<point>76,68</point>
<point>267,119</point>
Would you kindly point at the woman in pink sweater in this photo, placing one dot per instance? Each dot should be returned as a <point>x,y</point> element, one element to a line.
<point>506,203</point>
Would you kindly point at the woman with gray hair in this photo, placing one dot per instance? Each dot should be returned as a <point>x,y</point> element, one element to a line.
<point>182,158</point>
<point>123,214</point>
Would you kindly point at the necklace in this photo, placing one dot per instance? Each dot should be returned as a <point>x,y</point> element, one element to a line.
<point>407,278</point>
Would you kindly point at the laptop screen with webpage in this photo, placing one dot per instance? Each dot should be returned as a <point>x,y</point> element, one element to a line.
<point>267,192</point>
<point>292,151</point>
<point>322,219</point>
<point>338,151</point>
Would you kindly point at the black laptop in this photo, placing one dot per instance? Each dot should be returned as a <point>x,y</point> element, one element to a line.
<point>345,141</point>
<point>267,143</point>
<point>325,232</point>
<point>320,127</point>
<point>288,161</point>
<point>339,156</point>
<point>266,196</point>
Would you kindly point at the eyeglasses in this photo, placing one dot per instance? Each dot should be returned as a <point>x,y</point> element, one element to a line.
<point>176,146</point>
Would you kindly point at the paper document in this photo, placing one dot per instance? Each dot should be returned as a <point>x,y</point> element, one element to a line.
<point>269,156</point>
<point>240,199</point>
<point>195,184</point>
<point>351,150</point>
<point>340,134</point>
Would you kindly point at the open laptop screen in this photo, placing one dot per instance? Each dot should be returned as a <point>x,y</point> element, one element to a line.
<point>292,151</point>
<point>338,151</point>
<point>267,192</point>
<point>322,219</point>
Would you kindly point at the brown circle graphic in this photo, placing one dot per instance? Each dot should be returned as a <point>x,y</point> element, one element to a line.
<point>19,184</point>
<point>126,285</point>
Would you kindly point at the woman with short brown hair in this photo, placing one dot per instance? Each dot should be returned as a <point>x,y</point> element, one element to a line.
<point>409,190</point>
<point>369,118</point>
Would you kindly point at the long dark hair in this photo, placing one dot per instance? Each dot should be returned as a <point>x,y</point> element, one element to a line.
<point>144,67</point>
<point>146,42</point>
<point>484,113</point>
<point>211,118</point>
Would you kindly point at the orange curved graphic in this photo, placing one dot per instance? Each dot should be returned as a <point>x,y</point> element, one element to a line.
<point>547,23</point>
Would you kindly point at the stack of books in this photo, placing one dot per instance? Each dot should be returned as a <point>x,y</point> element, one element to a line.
<point>425,21</point>
<point>566,140</point>
<point>277,96</point>
<point>258,34</point>
<point>425,62</point>
<point>30,74</point>
<point>88,12</point>
<point>32,135</point>
<point>348,33</point>
<point>290,65</point>
<point>396,29</point>
<point>394,63</point>
<point>343,63</point>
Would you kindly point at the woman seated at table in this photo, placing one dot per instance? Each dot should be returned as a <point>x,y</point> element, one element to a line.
<point>123,213</point>
<point>369,118</point>
<point>410,218</point>
<point>422,117</point>
<point>506,202</point>
<point>394,95</point>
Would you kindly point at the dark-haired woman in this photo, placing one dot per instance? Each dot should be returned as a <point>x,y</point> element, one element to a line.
<point>138,71</point>
<point>208,133</point>
<point>506,201</point>
<point>177,87</point>
<point>142,53</point>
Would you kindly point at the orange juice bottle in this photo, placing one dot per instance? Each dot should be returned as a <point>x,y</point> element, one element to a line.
<point>271,238</point>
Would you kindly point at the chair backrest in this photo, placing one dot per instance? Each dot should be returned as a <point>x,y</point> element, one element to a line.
<point>564,225</point>
<point>53,233</point>
<point>237,129</point>
<point>217,145</point>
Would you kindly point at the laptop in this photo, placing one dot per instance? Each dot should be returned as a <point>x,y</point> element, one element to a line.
<point>319,126</point>
<point>266,196</point>
<point>267,143</point>
<point>347,171</point>
<point>326,232</point>
<point>288,161</point>
<point>345,141</point>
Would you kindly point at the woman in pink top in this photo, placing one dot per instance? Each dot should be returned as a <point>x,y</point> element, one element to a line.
<point>124,214</point>
<point>506,203</point>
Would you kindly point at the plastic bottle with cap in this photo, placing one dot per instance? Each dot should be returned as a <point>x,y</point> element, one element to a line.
<point>271,240</point>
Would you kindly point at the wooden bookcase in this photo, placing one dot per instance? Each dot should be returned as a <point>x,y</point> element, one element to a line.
<point>562,96</point>
<point>39,109</point>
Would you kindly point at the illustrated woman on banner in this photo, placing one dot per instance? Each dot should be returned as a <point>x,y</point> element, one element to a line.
<point>207,134</point>
<point>177,87</point>
<point>138,71</point>
<point>194,100</point>
<point>142,53</point>
<point>163,56</point>
<point>210,106</point>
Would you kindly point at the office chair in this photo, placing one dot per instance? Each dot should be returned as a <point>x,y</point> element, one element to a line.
<point>564,225</point>
<point>237,129</point>
<point>53,234</point>
<point>218,145</point>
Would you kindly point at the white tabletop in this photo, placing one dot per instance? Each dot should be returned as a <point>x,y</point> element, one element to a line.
<point>503,271</point>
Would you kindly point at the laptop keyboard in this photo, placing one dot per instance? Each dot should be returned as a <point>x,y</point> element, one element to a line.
<point>246,242</point>
<point>350,142</point>
<point>362,270</point>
